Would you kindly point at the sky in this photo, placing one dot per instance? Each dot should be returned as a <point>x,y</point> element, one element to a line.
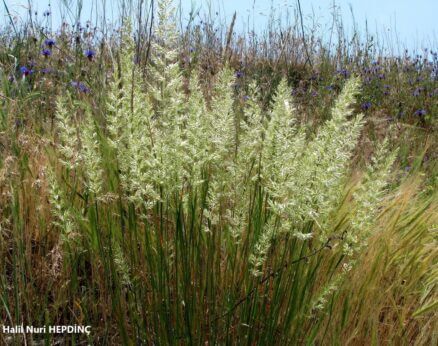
<point>413,23</point>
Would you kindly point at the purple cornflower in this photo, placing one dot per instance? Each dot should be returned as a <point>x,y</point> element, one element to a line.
<point>90,54</point>
<point>239,74</point>
<point>314,76</point>
<point>367,80</point>
<point>50,42</point>
<point>420,112</point>
<point>417,91</point>
<point>46,52</point>
<point>245,98</point>
<point>366,105</point>
<point>344,73</point>
<point>25,71</point>
<point>18,123</point>
<point>80,87</point>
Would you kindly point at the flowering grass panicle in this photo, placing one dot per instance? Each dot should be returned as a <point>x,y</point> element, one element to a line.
<point>329,154</point>
<point>308,185</point>
<point>129,123</point>
<point>261,248</point>
<point>91,156</point>
<point>61,210</point>
<point>120,264</point>
<point>283,148</point>
<point>368,197</point>
<point>196,134</point>
<point>165,87</point>
<point>69,143</point>
<point>250,138</point>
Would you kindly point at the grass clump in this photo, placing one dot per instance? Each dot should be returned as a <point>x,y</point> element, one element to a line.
<point>177,214</point>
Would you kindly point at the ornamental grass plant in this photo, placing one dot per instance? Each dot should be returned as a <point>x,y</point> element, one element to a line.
<point>162,211</point>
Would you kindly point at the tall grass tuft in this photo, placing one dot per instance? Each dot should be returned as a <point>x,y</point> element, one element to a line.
<point>170,213</point>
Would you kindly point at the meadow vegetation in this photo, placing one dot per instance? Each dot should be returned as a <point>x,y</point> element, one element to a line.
<point>194,186</point>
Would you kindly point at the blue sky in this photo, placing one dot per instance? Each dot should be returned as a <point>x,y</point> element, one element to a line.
<point>415,21</point>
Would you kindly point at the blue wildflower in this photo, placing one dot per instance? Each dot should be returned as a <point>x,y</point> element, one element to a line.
<point>366,105</point>
<point>420,112</point>
<point>46,52</point>
<point>239,74</point>
<point>90,54</point>
<point>344,73</point>
<point>80,87</point>
<point>417,91</point>
<point>25,71</point>
<point>50,42</point>
<point>83,88</point>
<point>18,123</point>
<point>314,76</point>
